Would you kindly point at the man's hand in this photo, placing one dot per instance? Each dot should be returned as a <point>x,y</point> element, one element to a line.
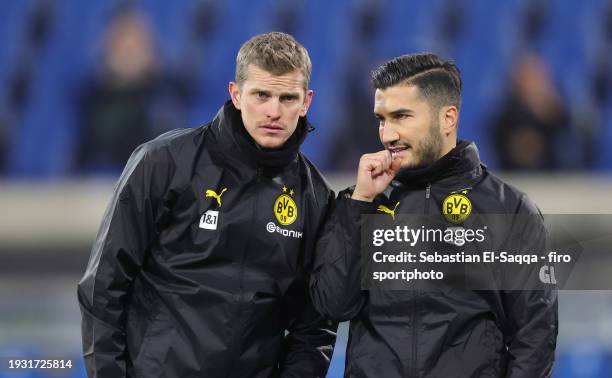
<point>374,174</point>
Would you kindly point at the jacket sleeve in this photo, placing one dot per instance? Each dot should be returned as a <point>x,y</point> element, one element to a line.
<point>532,318</point>
<point>118,252</point>
<point>310,338</point>
<point>335,285</point>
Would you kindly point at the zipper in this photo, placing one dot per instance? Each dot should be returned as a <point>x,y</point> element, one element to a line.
<point>427,198</point>
<point>415,308</point>
<point>251,234</point>
<point>235,344</point>
<point>414,334</point>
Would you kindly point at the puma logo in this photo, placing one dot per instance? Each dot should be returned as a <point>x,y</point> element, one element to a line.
<point>385,209</point>
<point>213,194</point>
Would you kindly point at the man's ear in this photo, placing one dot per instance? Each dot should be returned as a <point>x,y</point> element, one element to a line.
<point>234,92</point>
<point>307,102</point>
<point>449,115</point>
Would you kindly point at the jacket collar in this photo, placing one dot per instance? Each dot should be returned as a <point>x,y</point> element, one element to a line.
<point>234,141</point>
<point>451,169</point>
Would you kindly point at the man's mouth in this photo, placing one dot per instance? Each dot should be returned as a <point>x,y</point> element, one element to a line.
<point>272,128</point>
<point>398,151</point>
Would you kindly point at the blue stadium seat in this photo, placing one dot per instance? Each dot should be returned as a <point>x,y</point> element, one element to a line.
<point>168,26</point>
<point>605,141</point>
<point>12,34</point>
<point>324,31</point>
<point>484,61</point>
<point>484,51</point>
<point>44,142</point>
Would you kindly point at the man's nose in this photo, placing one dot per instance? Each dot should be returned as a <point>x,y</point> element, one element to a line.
<point>388,134</point>
<point>273,109</point>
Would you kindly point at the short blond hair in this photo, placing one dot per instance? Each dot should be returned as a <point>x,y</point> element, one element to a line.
<point>277,53</point>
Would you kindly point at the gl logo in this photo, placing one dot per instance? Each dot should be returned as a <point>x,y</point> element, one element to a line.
<point>547,274</point>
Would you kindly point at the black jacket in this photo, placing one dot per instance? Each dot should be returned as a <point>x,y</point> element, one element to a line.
<point>441,332</point>
<point>193,274</point>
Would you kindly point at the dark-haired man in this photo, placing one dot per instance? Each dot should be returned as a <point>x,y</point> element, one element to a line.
<point>201,265</point>
<point>442,331</point>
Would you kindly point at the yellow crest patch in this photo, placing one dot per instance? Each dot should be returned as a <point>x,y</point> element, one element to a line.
<point>457,207</point>
<point>285,209</point>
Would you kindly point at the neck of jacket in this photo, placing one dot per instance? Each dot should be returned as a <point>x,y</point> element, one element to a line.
<point>235,144</point>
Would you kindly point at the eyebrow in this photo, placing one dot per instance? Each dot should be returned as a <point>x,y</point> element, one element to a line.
<point>257,90</point>
<point>395,112</point>
<point>292,94</point>
<point>401,111</point>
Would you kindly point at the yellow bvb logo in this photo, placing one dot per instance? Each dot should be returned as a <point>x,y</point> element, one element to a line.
<point>285,209</point>
<point>457,207</point>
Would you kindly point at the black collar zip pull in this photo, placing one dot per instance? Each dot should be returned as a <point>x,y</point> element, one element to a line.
<point>427,197</point>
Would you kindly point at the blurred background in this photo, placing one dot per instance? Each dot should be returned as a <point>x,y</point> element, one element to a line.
<point>82,83</point>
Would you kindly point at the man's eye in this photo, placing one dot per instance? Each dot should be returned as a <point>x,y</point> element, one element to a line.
<point>262,95</point>
<point>401,116</point>
<point>288,98</point>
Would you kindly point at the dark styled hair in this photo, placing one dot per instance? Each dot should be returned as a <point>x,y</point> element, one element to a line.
<point>438,80</point>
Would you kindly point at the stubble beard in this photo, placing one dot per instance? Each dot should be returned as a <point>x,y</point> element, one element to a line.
<point>429,148</point>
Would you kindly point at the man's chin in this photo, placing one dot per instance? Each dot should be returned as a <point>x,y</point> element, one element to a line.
<point>409,162</point>
<point>412,164</point>
<point>270,143</point>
